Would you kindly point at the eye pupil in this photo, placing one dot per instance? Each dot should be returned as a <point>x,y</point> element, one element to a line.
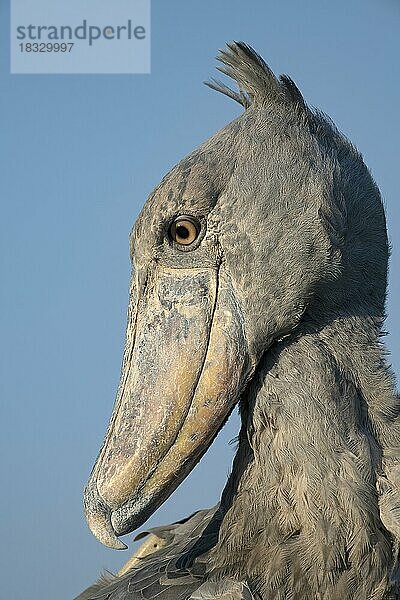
<point>182,232</point>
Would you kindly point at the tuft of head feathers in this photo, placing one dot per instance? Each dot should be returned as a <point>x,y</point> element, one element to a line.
<point>256,82</point>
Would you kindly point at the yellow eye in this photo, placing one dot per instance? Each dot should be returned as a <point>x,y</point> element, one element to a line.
<point>185,230</point>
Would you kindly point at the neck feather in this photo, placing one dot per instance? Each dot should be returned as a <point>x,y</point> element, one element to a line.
<point>304,518</point>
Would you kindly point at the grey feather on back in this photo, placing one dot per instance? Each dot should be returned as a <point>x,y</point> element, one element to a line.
<point>96,590</point>
<point>227,589</point>
<point>171,573</point>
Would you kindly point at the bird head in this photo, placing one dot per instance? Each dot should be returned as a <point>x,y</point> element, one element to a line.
<point>240,241</point>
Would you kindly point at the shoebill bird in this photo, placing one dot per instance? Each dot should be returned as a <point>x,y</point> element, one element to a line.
<point>259,278</point>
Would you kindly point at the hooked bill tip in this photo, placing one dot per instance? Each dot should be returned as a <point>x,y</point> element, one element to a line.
<point>100,526</point>
<point>98,517</point>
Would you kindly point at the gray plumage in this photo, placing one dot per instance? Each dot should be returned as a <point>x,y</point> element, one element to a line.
<point>169,572</point>
<point>295,224</point>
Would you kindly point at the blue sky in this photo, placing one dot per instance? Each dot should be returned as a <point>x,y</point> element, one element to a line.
<point>79,155</point>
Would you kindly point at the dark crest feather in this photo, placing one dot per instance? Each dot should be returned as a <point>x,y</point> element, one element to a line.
<point>256,82</point>
<point>239,97</point>
<point>293,92</point>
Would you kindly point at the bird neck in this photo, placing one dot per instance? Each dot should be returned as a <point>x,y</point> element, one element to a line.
<point>302,515</point>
